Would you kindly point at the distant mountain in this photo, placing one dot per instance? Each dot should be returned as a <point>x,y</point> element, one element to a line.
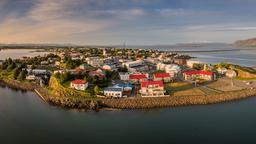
<point>246,43</point>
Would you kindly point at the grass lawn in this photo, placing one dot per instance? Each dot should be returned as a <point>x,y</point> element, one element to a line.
<point>182,89</point>
<point>178,86</point>
<point>240,78</point>
<point>66,84</point>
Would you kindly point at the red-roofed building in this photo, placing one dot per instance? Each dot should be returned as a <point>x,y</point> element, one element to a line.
<point>79,84</point>
<point>199,74</point>
<point>138,77</point>
<point>166,77</point>
<point>152,89</point>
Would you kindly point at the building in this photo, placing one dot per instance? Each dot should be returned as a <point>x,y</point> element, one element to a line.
<point>132,64</point>
<point>172,69</point>
<point>138,77</point>
<point>95,61</point>
<point>79,84</point>
<point>31,77</point>
<point>109,67</point>
<point>152,60</point>
<point>57,63</point>
<point>83,66</point>
<point>126,86</point>
<point>199,74</point>
<point>190,63</point>
<point>135,66</point>
<point>231,73</point>
<point>152,89</point>
<point>180,61</point>
<point>222,71</point>
<point>124,76</point>
<point>99,73</point>
<point>166,77</point>
<point>37,71</point>
<point>44,62</point>
<point>116,92</point>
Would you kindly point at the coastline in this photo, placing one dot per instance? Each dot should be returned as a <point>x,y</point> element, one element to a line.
<point>133,103</point>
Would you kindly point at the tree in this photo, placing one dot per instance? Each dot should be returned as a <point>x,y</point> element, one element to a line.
<point>125,69</point>
<point>11,66</point>
<point>15,73</point>
<point>4,65</point>
<point>85,78</point>
<point>96,90</point>
<point>22,75</point>
<point>65,77</point>
<point>198,66</point>
<point>95,79</point>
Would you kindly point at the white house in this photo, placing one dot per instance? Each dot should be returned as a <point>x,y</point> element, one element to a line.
<point>95,61</point>
<point>59,71</point>
<point>31,77</point>
<point>190,63</point>
<point>44,63</point>
<point>162,76</point>
<point>124,76</point>
<point>152,89</point>
<point>172,69</point>
<point>231,73</point>
<point>79,84</point>
<point>222,70</point>
<point>37,71</point>
<point>133,63</point>
<point>57,63</point>
<point>199,74</point>
<point>116,92</point>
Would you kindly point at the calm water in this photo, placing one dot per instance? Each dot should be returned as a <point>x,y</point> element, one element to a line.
<point>19,53</point>
<point>241,56</point>
<point>24,118</point>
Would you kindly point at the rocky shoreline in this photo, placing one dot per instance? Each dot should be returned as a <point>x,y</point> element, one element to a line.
<point>130,103</point>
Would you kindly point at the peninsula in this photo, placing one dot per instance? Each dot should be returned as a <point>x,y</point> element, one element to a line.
<point>98,77</point>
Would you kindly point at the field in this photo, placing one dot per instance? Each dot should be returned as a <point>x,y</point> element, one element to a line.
<point>183,89</point>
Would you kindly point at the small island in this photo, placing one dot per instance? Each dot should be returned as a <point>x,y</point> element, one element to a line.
<point>119,78</point>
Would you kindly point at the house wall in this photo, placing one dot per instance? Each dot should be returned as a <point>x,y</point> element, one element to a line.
<point>79,86</point>
<point>152,91</point>
<point>113,93</point>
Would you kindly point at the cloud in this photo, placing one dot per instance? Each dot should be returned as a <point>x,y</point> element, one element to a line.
<point>47,21</point>
<point>118,14</point>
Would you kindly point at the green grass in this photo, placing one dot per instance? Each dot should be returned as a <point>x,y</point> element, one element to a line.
<point>179,86</point>
<point>240,78</point>
<point>66,84</point>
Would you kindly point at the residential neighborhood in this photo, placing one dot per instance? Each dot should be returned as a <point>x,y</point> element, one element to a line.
<point>118,73</point>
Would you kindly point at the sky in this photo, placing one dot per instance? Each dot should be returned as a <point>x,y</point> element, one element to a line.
<point>135,22</point>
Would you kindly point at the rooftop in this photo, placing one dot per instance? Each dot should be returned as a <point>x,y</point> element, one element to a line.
<point>138,76</point>
<point>195,72</point>
<point>148,83</point>
<point>161,75</point>
<point>78,81</point>
<point>113,89</point>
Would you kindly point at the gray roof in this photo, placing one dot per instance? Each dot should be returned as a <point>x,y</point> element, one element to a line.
<point>113,89</point>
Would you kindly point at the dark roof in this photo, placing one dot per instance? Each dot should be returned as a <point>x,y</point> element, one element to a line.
<point>113,89</point>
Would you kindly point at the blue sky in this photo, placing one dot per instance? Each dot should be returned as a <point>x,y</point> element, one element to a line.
<point>138,22</point>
